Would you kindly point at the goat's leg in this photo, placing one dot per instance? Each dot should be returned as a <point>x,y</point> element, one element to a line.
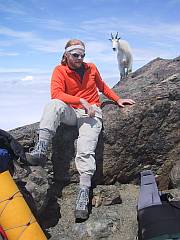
<point>126,72</point>
<point>122,71</point>
<point>129,67</point>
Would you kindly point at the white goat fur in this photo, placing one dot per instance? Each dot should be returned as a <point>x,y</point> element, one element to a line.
<point>124,56</point>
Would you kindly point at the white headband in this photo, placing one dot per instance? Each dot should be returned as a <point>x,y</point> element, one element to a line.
<point>68,49</point>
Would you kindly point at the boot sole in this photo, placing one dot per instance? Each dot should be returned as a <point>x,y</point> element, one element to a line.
<point>81,215</point>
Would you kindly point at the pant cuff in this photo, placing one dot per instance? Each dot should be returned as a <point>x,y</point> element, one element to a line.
<point>85,180</point>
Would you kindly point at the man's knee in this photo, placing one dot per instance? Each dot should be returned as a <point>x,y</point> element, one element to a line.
<point>85,163</point>
<point>55,105</point>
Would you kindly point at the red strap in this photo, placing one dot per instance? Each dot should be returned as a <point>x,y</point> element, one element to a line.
<point>3,234</point>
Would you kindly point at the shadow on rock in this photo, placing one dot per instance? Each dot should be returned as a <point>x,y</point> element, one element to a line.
<point>49,214</point>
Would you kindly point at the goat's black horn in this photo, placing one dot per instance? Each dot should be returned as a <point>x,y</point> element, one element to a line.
<point>112,36</point>
<point>116,35</point>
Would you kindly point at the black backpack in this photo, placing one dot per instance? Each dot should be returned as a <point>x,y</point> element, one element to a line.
<point>10,151</point>
<point>161,219</point>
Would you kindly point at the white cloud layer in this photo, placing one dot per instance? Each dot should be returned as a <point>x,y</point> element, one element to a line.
<point>3,53</point>
<point>27,78</point>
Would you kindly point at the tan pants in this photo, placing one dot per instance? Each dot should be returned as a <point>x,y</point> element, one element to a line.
<point>57,112</point>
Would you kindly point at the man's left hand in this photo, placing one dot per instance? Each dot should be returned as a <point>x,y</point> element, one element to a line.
<point>123,102</point>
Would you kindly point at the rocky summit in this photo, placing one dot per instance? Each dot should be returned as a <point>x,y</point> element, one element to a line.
<point>143,136</point>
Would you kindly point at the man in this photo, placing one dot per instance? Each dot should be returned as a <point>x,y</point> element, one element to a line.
<point>75,101</point>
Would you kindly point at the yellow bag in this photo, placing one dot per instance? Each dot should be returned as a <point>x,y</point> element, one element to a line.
<point>16,217</point>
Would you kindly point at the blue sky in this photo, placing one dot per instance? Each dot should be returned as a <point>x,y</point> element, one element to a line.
<point>33,34</point>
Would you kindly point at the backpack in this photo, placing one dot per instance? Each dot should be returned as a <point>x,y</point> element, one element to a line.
<point>5,159</point>
<point>10,151</point>
<point>158,216</point>
<point>2,234</point>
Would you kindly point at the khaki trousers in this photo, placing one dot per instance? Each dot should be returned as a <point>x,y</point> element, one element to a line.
<point>56,112</point>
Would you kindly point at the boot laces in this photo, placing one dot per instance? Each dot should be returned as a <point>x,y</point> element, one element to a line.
<point>40,148</point>
<point>82,199</point>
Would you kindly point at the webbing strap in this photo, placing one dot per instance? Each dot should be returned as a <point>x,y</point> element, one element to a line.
<point>11,197</point>
<point>24,226</point>
<point>7,200</point>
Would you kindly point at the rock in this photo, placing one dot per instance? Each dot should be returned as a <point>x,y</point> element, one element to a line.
<point>62,237</point>
<point>37,185</point>
<point>111,222</point>
<point>175,175</point>
<point>35,181</point>
<point>99,227</point>
<point>106,195</point>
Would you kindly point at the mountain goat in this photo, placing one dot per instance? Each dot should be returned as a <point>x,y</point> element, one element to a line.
<point>124,55</point>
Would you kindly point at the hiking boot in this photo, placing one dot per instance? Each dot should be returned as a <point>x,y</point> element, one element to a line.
<point>82,204</point>
<point>37,157</point>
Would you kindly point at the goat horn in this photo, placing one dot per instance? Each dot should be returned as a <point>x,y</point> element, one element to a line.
<point>116,35</point>
<point>112,36</point>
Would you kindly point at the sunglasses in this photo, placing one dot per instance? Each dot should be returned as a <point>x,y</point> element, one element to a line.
<point>79,56</point>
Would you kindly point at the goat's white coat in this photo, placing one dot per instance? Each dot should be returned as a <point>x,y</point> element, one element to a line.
<point>124,56</point>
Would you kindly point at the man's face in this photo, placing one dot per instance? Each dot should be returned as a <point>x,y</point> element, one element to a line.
<point>75,58</point>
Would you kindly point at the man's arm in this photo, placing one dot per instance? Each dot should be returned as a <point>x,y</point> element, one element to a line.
<point>109,93</point>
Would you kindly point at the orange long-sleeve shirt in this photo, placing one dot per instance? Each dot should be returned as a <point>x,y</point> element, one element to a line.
<point>66,85</point>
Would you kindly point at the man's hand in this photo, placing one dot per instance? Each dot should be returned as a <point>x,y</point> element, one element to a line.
<point>88,108</point>
<point>123,102</point>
